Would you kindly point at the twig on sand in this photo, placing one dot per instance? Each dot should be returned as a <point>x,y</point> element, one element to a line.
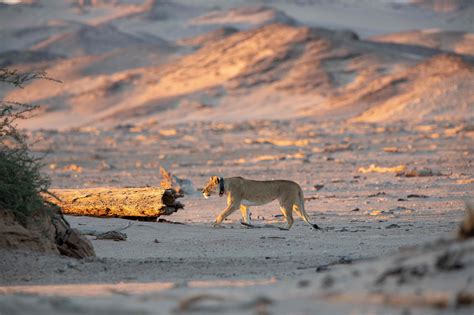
<point>161,220</point>
<point>271,226</point>
<point>97,233</point>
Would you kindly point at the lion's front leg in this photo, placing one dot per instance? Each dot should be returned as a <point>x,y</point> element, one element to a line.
<point>224,214</point>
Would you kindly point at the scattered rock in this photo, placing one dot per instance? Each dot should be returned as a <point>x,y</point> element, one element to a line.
<point>112,235</point>
<point>273,237</point>
<point>417,196</point>
<point>337,148</point>
<point>327,282</point>
<point>345,260</point>
<point>399,209</point>
<point>464,298</point>
<point>303,283</point>
<point>392,226</point>
<point>403,274</point>
<point>318,187</point>
<point>322,268</point>
<point>419,173</point>
<point>449,260</point>
<point>380,193</point>
<point>391,150</point>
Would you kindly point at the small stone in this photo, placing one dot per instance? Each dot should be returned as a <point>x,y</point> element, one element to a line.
<point>303,283</point>
<point>318,187</point>
<point>327,282</point>
<point>112,235</point>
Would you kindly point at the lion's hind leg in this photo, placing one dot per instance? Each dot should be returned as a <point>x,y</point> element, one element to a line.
<point>288,214</point>
<point>245,214</point>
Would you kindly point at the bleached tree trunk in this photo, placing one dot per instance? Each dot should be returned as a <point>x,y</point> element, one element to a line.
<point>146,202</point>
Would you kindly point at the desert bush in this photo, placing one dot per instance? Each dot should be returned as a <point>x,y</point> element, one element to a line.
<point>21,181</point>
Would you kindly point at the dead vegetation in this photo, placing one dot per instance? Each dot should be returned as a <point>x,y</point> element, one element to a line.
<point>27,221</point>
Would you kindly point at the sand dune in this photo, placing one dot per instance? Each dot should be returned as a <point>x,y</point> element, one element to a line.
<point>245,17</point>
<point>94,40</point>
<point>443,5</point>
<point>333,74</point>
<point>437,89</point>
<point>450,41</point>
<point>208,37</point>
<point>27,36</point>
<point>13,58</point>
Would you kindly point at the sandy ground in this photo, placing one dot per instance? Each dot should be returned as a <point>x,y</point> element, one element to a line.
<point>363,216</point>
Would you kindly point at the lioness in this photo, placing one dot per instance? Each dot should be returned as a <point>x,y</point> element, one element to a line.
<point>243,193</point>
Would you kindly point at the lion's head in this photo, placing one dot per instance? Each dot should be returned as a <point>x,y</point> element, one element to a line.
<point>212,186</point>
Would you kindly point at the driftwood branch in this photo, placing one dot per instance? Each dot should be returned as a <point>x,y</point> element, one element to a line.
<point>149,202</point>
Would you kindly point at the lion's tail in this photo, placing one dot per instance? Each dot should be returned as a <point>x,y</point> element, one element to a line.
<point>302,212</point>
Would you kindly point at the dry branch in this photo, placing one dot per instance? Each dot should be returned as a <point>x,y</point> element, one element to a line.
<point>149,202</point>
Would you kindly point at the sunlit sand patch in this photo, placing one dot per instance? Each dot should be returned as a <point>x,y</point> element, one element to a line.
<point>95,289</point>
<point>434,299</point>
<point>465,181</point>
<point>278,142</point>
<point>268,157</point>
<point>88,289</point>
<point>379,169</point>
<point>229,283</point>
<point>72,168</point>
<point>168,132</point>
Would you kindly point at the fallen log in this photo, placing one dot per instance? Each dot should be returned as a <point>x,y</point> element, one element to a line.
<point>149,202</point>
